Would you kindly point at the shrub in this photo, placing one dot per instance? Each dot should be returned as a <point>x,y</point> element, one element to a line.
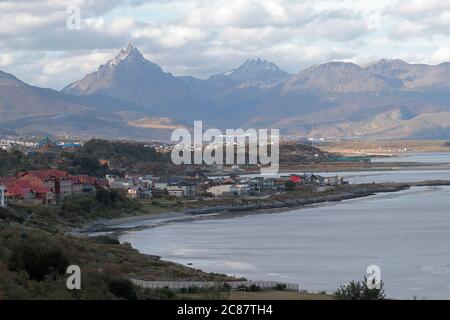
<point>280,287</point>
<point>289,185</point>
<point>193,289</point>
<point>255,288</point>
<point>9,215</point>
<point>106,240</point>
<point>122,288</point>
<point>37,260</point>
<point>158,294</point>
<point>103,196</point>
<point>356,290</point>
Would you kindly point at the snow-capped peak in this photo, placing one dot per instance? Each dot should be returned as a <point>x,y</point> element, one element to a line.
<point>128,52</point>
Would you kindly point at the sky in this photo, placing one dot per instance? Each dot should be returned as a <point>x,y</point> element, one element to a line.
<point>46,43</point>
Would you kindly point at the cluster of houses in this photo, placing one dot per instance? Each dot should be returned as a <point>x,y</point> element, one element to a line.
<point>46,186</point>
<point>42,145</point>
<point>199,185</point>
<point>52,186</point>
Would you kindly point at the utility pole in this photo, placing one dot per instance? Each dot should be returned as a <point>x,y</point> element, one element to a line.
<point>2,197</point>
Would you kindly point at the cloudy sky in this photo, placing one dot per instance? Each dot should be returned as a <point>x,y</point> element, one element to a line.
<point>202,37</point>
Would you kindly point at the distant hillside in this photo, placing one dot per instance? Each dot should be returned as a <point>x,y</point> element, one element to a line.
<point>30,110</point>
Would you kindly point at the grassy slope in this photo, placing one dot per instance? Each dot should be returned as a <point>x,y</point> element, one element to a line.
<point>39,232</point>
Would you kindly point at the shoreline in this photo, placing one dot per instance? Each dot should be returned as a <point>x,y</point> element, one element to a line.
<point>118,224</point>
<point>235,211</point>
<point>331,167</point>
<point>358,167</point>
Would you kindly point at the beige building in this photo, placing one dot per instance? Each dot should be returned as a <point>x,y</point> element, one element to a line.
<point>224,189</point>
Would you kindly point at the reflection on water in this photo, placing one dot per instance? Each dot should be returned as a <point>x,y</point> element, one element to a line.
<point>406,233</point>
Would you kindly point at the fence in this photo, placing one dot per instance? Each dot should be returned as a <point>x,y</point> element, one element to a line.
<point>178,285</point>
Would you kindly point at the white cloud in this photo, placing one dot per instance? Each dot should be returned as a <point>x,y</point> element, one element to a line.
<point>117,26</point>
<point>6,59</point>
<point>171,36</point>
<point>200,37</point>
<point>441,54</point>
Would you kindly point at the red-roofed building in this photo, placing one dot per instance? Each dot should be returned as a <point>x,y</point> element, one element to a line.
<point>77,185</point>
<point>30,192</point>
<point>90,184</point>
<point>48,186</point>
<point>57,180</point>
<point>16,193</point>
<point>7,181</point>
<point>296,178</point>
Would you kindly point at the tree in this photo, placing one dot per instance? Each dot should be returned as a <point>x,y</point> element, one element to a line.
<point>357,290</point>
<point>103,196</point>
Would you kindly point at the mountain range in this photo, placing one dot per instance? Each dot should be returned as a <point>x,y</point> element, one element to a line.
<point>133,98</point>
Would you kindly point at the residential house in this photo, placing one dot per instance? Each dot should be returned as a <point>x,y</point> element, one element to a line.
<point>181,189</point>
<point>242,188</point>
<point>296,178</point>
<point>147,181</point>
<point>162,184</point>
<point>333,181</point>
<point>313,179</point>
<point>139,192</point>
<point>255,186</point>
<point>224,190</point>
<point>260,184</point>
<point>112,178</point>
<point>92,184</point>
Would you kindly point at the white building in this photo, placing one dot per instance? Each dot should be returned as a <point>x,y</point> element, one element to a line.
<point>139,192</point>
<point>181,189</point>
<point>112,178</point>
<point>161,185</point>
<point>243,188</point>
<point>175,191</point>
<point>222,190</point>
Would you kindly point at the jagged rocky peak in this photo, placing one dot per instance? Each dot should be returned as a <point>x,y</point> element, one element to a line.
<point>260,65</point>
<point>128,53</point>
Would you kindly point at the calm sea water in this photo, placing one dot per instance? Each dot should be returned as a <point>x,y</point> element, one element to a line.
<point>428,157</point>
<point>406,233</point>
<point>395,176</point>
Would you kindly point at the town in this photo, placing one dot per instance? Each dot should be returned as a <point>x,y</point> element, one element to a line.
<point>52,186</point>
<point>57,179</point>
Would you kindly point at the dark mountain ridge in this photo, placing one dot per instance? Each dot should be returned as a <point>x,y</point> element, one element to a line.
<point>132,97</point>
